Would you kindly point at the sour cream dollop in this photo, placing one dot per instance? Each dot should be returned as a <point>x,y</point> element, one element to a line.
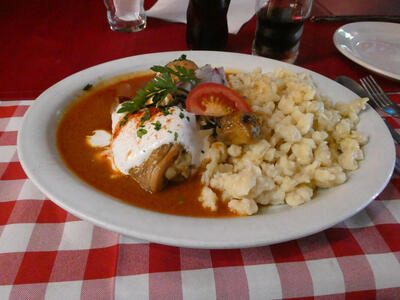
<point>132,143</point>
<point>99,138</point>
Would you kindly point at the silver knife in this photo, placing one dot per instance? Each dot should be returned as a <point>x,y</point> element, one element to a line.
<point>355,18</point>
<point>356,88</point>
<point>395,134</point>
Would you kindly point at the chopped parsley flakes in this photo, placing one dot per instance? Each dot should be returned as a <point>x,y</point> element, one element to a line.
<point>145,117</point>
<point>157,125</point>
<point>123,122</point>
<point>175,136</point>
<point>87,87</point>
<point>182,57</point>
<point>141,132</point>
<point>165,111</point>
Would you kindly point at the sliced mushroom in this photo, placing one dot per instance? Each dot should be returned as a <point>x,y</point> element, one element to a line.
<point>188,64</point>
<point>238,128</point>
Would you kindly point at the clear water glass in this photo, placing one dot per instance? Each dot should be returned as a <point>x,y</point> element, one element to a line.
<point>126,15</point>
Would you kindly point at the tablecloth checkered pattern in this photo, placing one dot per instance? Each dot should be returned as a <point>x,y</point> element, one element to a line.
<point>47,253</point>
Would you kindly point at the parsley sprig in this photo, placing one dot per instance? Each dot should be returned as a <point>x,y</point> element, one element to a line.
<point>183,74</point>
<point>159,87</point>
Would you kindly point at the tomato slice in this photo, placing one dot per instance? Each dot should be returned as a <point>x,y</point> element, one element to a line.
<point>214,99</point>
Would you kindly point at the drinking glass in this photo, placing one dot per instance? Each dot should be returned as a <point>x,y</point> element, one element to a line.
<point>279,28</point>
<point>126,15</point>
<point>207,26</point>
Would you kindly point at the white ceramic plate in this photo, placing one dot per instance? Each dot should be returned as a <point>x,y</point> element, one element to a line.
<point>41,161</point>
<point>373,45</point>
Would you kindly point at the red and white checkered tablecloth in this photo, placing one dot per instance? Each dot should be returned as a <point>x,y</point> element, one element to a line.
<point>47,253</point>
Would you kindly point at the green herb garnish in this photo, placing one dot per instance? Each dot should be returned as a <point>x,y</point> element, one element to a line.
<point>169,131</point>
<point>123,122</point>
<point>183,74</point>
<point>145,117</point>
<point>182,57</point>
<point>175,136</point>
<point>157,125</point>
<point>88,87</point>
<point>181,115</point>
<point>159,87</point>
<point>181,200</point>
<point>187,118</point>
<point>141,132</point>
<point>165,111</point>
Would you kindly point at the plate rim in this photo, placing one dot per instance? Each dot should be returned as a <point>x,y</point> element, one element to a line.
<point>174,241</point>
<point>359,61</point>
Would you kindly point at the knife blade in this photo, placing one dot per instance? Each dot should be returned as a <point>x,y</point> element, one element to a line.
<point>355,18</point>
<point>394,133</point>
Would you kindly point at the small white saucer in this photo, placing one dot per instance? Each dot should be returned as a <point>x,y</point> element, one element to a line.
<point>373,45</point>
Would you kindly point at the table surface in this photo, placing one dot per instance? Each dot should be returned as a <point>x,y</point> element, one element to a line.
<point>45,252</point>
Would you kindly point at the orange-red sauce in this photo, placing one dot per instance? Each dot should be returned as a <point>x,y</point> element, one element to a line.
<point>92,112</point>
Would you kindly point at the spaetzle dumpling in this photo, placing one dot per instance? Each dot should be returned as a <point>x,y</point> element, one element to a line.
<point>306,143</point>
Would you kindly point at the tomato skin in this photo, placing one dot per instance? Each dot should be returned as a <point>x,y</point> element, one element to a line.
<point>228,99</point>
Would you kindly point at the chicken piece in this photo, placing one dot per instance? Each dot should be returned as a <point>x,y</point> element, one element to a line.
<point>238,128</point>
<point>150,175</point>
<point>155,148</point>
<point>181,169</point>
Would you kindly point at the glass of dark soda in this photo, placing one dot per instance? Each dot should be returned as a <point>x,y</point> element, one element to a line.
<point>207,27</point>
<point>279,28</point>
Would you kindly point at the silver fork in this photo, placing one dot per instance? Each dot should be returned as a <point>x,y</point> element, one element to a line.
<point>378,96</point>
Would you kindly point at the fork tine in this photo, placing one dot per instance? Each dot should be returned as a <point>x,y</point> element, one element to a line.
<point>381,92</point>
<point>370,92</point>
<point>371,97</point>
<point>373,102</point>
<point>378,96</point>
<point>374,91</point>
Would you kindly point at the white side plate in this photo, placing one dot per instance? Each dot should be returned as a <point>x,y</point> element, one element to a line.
<point>41,161</point>
<point>373,45</point>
